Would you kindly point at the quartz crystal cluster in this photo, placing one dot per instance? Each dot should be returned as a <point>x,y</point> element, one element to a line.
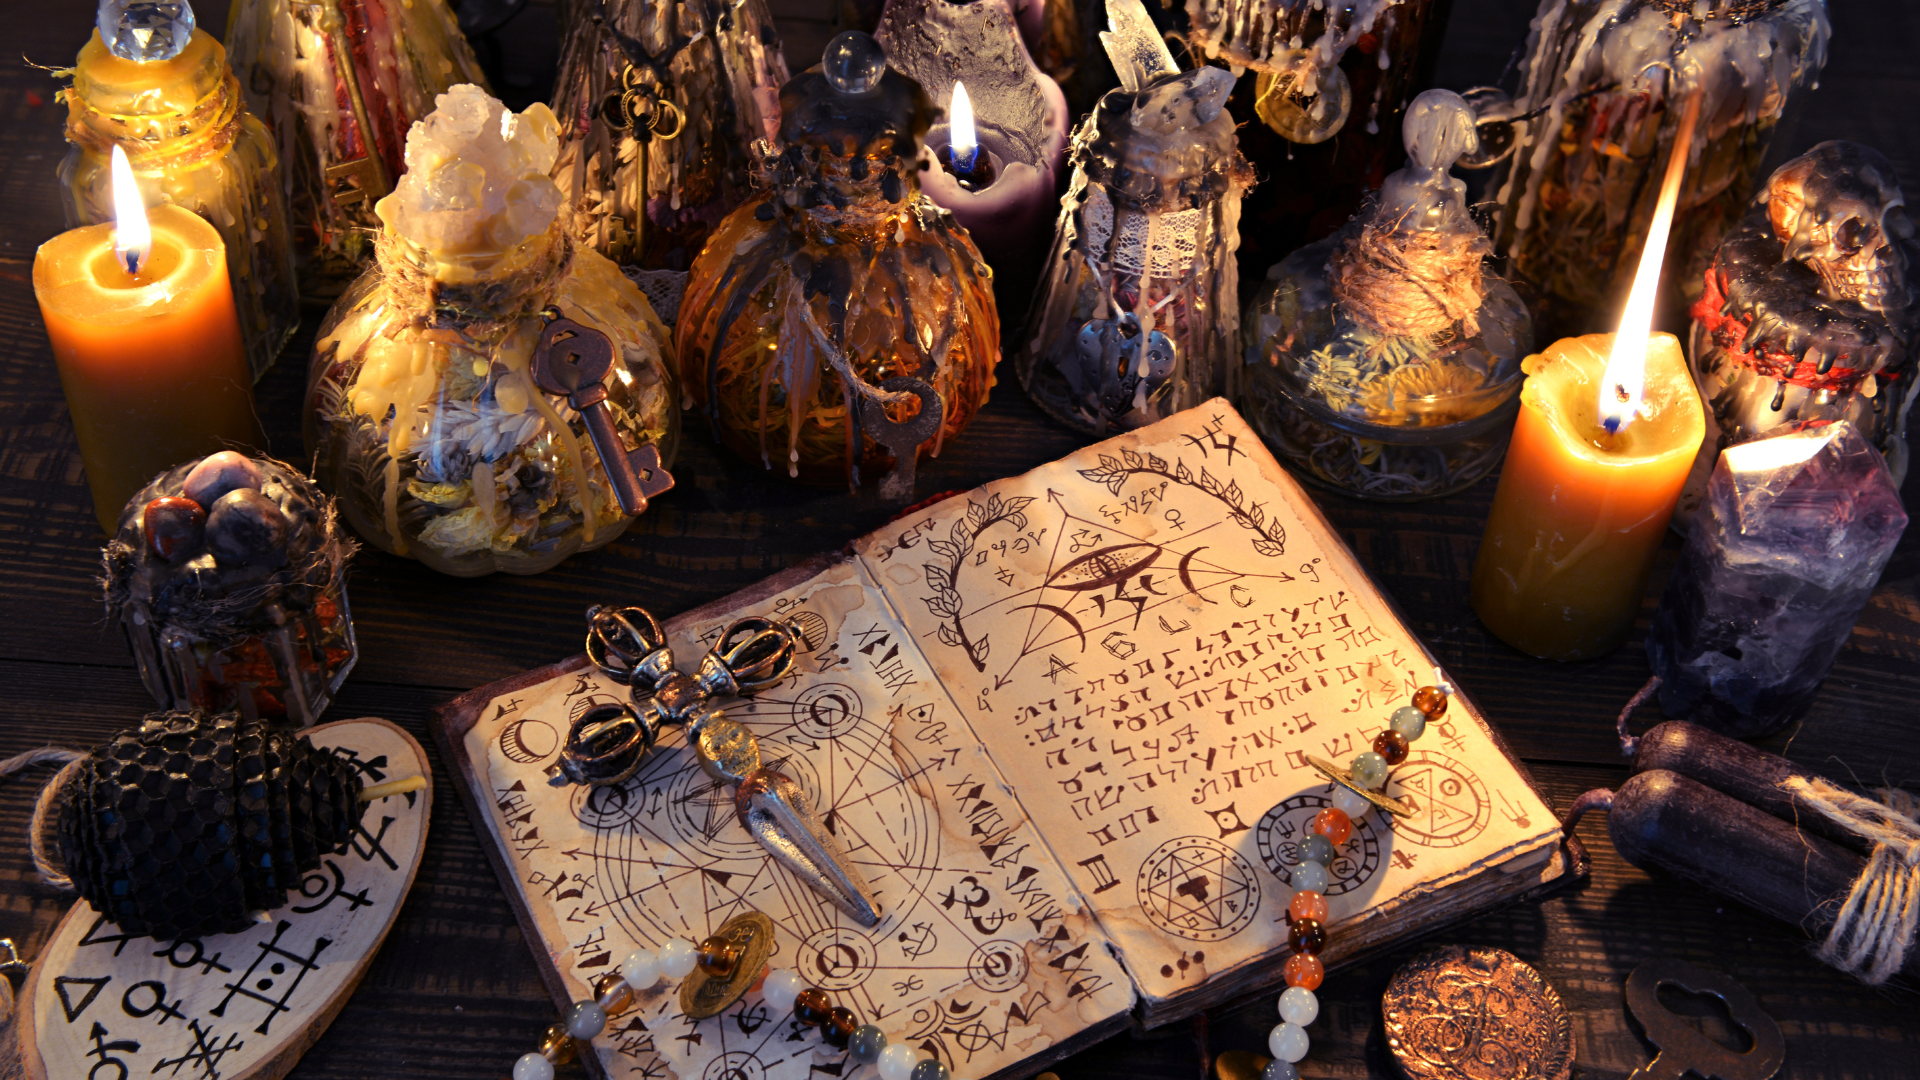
<point>476,180</point>
<point>1796,531</point>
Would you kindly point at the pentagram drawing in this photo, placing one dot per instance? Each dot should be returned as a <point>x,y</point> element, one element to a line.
<point>1451,804</point>
<point>1099,584</point>
<point>1198,888</point>
<point>1282,829</point>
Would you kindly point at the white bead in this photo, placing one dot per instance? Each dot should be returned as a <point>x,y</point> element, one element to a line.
<point>1288,1042</point>
<point>641,969</point>
<point>780,990</point>
<point>677,958</point>
<point>1350,802</point>
<point>585,1020</point>
<point>1299,1006</point>
<point>897,1062</point>
<point>532,1067</point>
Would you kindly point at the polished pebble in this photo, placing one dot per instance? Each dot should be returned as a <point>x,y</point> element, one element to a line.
<point>1410,723</point>
<point>1350,802</point>
<point>897,1062</point>
<point>1316,849</point>
<point>1298,1005</point>
<point>1311,876</point>
<point>1334,824</point>
<point>929,1069</point>
<point>1369,770</point>
<point>532,1067</point>
<point>677,958</point>
<point>780,990</point>
<point>174,527</point>
<point>1279,1070</point>
<point>1288,1042</point>
<point>245,526</point>
<point>641,969</point>
<point>218,474</point>
<point>584,1020</point>
<point>1308,904</point>
<point>865,1044</point>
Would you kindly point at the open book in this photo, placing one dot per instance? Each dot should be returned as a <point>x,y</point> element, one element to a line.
<point>1060,723</point>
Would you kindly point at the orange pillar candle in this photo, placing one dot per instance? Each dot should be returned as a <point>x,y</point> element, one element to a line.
<point>1581,511</point>
<point>151,361</point>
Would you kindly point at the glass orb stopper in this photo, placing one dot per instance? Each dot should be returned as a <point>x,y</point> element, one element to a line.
<point>854,62</point>
<point>145,30</point>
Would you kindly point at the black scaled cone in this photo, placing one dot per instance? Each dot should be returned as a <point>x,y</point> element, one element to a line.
<point>187,824</point>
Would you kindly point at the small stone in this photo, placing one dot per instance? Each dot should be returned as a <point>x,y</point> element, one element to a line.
<point>173,527</point>
<point>1391,745</point>
<point>1279,1070</point>
<point>584,1020</point>
<point>929,1069</point>
<point>1304,970</point>
<point>839,1028</point>
<point>1288,1042</point>
<point>1410,723</point>
<point>1298,1005</point>
<point>897,1062</point>
<point>1368,769</point>
<point>1333,824</point>
<point>1307,936</point>
<point>1311,876</point>
<point>781,989</point>
<point>866,1043</point>
<point>1350,802</point>
<point>677,958</point>
<point>532,1067</point>
<point>1308,904</point>
<point>245,526</point>
<point>1316,849</point>
<point>1431,700</point>
<point>641,969</point>
<point>612,994</point>
<point>811,1006</point>
<point>217,474</point>
<point>717,956</point>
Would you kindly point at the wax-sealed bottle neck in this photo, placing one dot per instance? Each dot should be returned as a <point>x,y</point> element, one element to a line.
<point>438,290</point>
<point>179,113</point>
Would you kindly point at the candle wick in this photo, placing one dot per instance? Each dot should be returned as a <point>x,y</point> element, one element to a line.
<point>132,259</point>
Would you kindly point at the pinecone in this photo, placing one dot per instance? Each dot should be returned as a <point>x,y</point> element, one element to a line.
<point>187,824</point>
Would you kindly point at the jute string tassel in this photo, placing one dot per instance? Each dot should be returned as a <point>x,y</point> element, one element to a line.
<point>1875,928</point>
<point>1411,283</point>
<point>44,807</point>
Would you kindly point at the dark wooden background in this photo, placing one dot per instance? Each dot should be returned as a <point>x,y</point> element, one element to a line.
<point>454,992</point>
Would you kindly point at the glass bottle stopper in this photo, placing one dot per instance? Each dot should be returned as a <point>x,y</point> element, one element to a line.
<point>854,62</point>
<point>145,30</point>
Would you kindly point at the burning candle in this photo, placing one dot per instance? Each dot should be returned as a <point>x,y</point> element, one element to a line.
<point>1608,427</point>
<point>960,157</point>
<point>144,332</point>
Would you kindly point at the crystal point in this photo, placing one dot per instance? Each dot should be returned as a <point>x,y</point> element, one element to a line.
<point>145,30</point>
<point>1795,534</point>
<point>1134,44</point>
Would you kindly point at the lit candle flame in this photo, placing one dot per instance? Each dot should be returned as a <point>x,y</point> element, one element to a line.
<point>132,240</point>
<point>1626,376</point>
<point>962,142</point>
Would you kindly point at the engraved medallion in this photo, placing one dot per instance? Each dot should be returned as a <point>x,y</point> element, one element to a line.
<point>1470,1013</point>
<point>703,995</point>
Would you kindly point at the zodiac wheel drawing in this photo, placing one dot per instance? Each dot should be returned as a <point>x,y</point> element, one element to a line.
<point>526,740</point>
<point>1282,829</point>
<point>1198,888</point>
<point>1451,804</point>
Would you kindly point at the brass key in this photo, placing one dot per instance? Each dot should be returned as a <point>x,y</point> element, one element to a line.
<point>904,437</point>
<point>573,361</point>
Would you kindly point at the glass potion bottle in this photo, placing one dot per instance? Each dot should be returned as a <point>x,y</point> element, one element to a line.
<point>1138,314</point>
<point>1382,361</point>
<point>823,309</point>
<point>339,82</point>
<point>429,410</point>
<point>162,91</point>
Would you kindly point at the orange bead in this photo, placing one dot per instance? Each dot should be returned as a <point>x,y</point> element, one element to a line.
<point>1334,824</point>
<point>1431,700</point>
<point>1305,971</point>
<point>1308,904</point>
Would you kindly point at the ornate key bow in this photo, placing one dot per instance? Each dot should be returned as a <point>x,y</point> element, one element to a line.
<point>606,744</point>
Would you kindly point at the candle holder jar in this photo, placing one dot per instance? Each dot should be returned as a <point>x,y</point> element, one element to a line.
<point>1603,89</point>
<point>1381,362</point>
<point>167,97</point>
<point>660,106</point>
<point>821,310</point>
<point>428,407</point>
<point>228,577</point>
<point>1138,315</point>
<point>339,82</point>
<point>1809,310</point>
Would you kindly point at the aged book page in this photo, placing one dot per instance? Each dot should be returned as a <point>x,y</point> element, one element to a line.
<point>1150,636</point>
<point>983,957</point>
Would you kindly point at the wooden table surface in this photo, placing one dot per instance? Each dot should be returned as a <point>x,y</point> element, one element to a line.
<point>454,992</point>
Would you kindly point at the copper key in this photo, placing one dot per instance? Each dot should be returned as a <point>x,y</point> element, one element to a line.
<point>573,361</point>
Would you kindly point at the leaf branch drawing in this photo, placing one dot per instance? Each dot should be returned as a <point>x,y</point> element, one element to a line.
<point>944,577</point>
<point>1270,537</point>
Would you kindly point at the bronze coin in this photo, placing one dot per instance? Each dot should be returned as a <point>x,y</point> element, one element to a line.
<point>1397,807</point>
<point>703,995</point>
<point>1467,1013</point>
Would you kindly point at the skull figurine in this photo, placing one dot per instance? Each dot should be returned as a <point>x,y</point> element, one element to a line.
<point>1809,312</point>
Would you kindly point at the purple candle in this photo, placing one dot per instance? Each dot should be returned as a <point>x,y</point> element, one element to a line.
<point>1796,530</point>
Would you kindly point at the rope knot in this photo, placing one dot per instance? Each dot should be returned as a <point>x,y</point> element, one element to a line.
<point>1875,928</point>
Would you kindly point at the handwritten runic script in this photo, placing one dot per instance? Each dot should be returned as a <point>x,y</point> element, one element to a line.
<point>1060,722</point>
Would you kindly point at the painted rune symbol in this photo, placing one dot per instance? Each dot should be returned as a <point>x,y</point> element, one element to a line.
<point>259,990</point>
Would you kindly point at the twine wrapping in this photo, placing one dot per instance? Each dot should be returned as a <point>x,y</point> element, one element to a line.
<point>516,284</point>
<point>1411,283</point>
<point>1875,928</point>
<point>45,807</point>
<point>176,140</point>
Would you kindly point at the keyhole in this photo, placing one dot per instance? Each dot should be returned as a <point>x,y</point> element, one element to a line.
<point>1707,1014</point>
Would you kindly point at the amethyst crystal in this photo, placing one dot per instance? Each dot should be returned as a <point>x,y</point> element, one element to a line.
<point>1797,529</point>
